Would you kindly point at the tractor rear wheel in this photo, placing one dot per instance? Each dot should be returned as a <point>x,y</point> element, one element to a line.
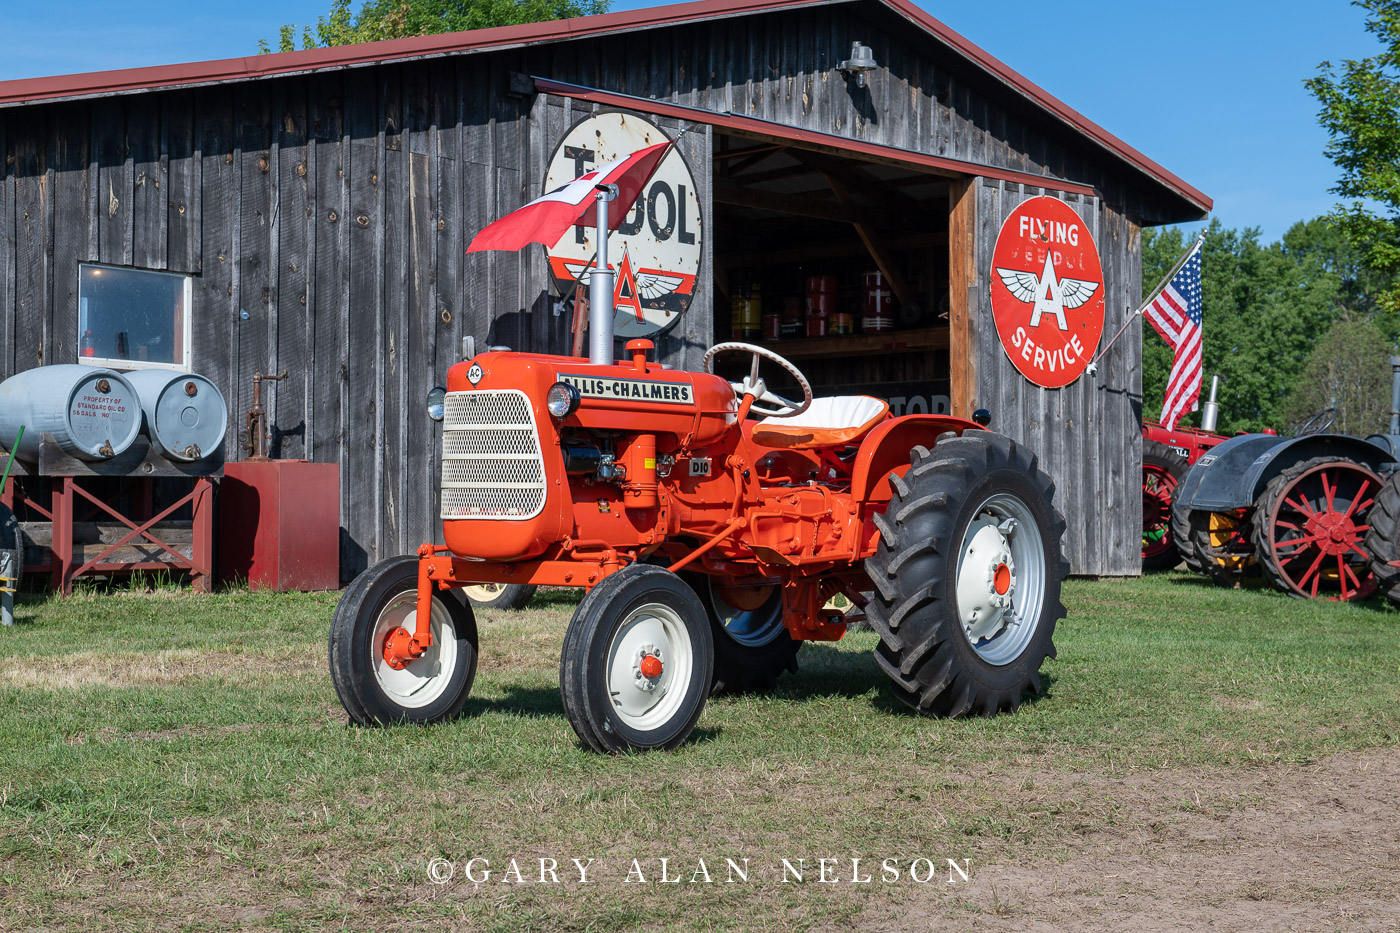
<point>1162,469</point>
<point>1222,545</point>
<point>374,685</point>
<point>1310,525</point>
<point>1185,545</point>
<point>1383,538</point>
<point>637,662</point>
<point>752,646</point>
<point>499,595</point>
<point>967,577</point>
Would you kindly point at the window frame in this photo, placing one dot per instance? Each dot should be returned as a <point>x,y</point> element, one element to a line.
<point>186,348</point>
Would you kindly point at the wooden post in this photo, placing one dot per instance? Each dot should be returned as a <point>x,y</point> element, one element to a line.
<point>962,298</point>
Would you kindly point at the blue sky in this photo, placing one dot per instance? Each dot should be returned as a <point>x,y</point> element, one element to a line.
<point>1211,90</point>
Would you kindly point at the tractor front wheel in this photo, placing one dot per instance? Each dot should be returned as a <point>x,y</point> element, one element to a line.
<point>1162,470</point>
<point>637,661</point>
<point>375,684</point>
<point>752,647</point>
<point>967,577</point>
<point>1310,526</point>
<point>499,595</point>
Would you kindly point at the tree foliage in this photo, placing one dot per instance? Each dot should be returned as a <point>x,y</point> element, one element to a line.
<point>1360,109</point>
<point>398,19</point>
<point>1264,310</point>
<point>1349,371</point>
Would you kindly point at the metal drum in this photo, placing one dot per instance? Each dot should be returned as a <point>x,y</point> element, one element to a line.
<point>92,413</point>
<point>186,416</point>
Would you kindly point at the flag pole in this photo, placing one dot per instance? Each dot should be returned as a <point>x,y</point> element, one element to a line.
<point>1093,367</point>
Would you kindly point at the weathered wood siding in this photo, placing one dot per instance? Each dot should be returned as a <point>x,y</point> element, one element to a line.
<point>325,218</point>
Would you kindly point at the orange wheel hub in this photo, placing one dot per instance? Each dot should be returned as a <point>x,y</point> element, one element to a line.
<point>399,649</point>
<point>1002,579</point>
<point>651,666</point>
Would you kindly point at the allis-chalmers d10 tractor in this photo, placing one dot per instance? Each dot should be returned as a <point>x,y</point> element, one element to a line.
<point>708,541</point>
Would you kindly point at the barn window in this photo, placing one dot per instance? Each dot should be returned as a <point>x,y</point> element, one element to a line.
<point>133,318</point>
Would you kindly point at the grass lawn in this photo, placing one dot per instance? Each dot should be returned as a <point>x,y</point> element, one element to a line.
<point>182,762</point>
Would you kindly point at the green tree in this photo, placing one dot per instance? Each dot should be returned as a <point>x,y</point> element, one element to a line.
<point>1361,112</point>
<point>397,19</point>
<point>1348,370</point>
<point>1263,310</point>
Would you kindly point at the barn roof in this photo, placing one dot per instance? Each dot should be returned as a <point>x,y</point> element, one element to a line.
<point>193,74</point>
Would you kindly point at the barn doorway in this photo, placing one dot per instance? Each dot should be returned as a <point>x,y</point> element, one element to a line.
<point>839,264</point>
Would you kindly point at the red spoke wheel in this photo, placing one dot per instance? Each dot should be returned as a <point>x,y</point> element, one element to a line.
<point>1310,529</point>
<point>1162,469</point>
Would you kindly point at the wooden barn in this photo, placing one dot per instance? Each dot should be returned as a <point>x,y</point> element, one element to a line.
<point>310,211</point>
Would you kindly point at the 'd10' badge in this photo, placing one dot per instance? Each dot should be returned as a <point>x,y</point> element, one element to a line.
<point>1047,292</point>
<point>655,253</point>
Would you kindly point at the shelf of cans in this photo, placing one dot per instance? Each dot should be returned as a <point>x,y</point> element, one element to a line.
<point>818,312</point>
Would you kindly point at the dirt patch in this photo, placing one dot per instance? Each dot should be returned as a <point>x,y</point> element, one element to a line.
<point>139,669</point>
<point>1295,847</point>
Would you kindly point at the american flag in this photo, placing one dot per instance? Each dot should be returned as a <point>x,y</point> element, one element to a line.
<point>1175,313</point>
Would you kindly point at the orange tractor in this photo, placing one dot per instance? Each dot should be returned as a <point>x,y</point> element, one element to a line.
<point>710,540</point>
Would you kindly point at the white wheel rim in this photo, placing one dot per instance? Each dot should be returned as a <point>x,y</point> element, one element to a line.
<point>1001,579</point>
<point>641,702</point>
<point>483,592</point>
<point>422,680</point>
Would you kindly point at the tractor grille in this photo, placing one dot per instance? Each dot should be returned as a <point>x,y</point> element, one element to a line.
<point>491,462</point>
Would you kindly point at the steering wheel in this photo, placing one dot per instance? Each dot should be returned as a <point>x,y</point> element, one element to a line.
<point>1317,423</point>
<point>753,384</point>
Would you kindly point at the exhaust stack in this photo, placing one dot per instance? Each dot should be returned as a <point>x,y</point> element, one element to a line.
<point>1211,414</point>
<point>600,289</point>
<point>1395,395</point>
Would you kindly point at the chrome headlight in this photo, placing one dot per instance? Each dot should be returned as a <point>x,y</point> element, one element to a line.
<point>562,400</point>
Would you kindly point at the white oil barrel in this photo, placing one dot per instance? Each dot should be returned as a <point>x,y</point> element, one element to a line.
<point>186,416</point>
<point>92,413</point>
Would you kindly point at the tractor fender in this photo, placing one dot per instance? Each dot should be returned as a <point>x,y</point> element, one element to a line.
<point>1234,474</point>
<point>886,448</point>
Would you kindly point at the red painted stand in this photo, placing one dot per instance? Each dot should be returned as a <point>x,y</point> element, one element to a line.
<point>70,503</point>
<point>279,525</point>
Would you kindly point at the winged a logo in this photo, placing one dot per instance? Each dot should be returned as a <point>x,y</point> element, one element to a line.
<point>1049,293</point>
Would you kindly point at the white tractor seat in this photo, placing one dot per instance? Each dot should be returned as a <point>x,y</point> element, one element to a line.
<point>827,422</point>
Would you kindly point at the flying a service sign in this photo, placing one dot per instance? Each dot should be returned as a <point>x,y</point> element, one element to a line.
<point>655,253</point>
<point>1047,292</point>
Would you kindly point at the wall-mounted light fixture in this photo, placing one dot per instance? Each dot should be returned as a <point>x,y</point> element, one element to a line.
<point>862,60</point>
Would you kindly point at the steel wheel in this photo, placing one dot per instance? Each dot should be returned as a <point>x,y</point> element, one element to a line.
<point>1310,529</point>
<point>422,681</point>
<point>752,646</point>
<point>637,660</point>
<point>1162,469</point>
<point>376,678</point>
<point>649,661</point>
<point>1001,579</point>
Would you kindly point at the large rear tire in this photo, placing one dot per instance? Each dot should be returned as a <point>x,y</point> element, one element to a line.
<point>967,577</point>
<point>752,646</point>
<point>1162,470</point>
<point>637,662</point>
<point>1310,525</point>
<point>376,605</point>
<point>1383,539</point>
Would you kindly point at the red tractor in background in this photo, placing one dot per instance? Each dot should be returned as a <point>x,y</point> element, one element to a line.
<point>708,541</point>
<point>1166,456</point>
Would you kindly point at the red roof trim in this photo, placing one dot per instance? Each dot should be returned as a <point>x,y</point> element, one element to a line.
<point>31,90</point>
<point>797,134</point>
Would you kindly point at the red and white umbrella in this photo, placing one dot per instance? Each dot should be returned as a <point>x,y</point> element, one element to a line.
<point>546,219</point>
